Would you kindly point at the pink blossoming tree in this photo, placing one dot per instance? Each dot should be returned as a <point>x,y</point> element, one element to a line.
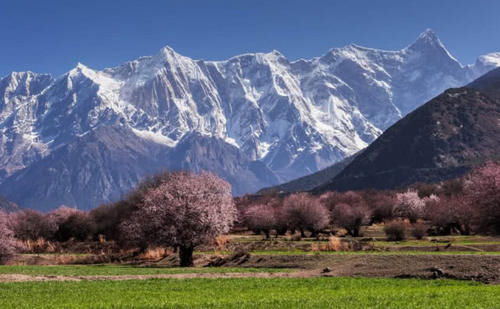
<point>7,242</point>
<point>183,211</point>
<point>305,212</point>
<point>32,225</point>
<point>410,206</point>
<point>260,218</point>
<point>482,195</point>
<point>350,217</point>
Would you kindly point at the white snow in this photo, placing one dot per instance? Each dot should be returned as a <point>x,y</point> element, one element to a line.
<point>156,137</point>
<point>316,110</point>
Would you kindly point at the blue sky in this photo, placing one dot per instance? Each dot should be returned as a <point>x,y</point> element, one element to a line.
<point>52,36</point>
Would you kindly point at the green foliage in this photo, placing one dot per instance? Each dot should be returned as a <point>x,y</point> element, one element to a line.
<point>120,270</point>
<point>251,293</point>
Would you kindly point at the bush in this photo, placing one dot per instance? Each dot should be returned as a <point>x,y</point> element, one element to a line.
<point>32,225</point>
<point>107,219</point>
<point>419,231</point>
<point>78,226</point>
<point>395,231</point>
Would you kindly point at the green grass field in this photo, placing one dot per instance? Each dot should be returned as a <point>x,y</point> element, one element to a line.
<point>117,270</point>
<point>251,293</point>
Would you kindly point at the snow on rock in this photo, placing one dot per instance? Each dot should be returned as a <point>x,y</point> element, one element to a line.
<point>295,117</point>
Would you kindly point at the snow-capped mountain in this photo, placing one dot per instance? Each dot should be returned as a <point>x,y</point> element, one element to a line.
<point>256,119</point>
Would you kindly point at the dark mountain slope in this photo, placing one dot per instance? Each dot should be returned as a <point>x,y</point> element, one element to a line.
<point>488,84</point>
<point>442,139</point>
<point>311,181</point>
<point>6,205</point>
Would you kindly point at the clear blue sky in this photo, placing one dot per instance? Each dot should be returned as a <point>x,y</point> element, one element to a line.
<point>52,36</point>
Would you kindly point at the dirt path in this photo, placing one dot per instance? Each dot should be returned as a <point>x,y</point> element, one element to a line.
<point>297,274</point>
<point>463,267</point>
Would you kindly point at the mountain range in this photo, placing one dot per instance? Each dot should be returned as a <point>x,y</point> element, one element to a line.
<point>257,120</point>
<point>443,139</point>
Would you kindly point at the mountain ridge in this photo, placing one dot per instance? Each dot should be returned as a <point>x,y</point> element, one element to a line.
<point>442,139</point>
<point>291,117</point>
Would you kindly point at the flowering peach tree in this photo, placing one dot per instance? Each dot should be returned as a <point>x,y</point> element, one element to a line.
<point>7,242</point>
<point>183,211</point>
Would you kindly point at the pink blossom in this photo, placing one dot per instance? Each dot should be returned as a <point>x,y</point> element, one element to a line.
<point>183,211</point>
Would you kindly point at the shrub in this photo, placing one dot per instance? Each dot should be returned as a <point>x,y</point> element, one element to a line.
<point>305,213</point>
<point>38,246</point>
<point>107,219</point>
<point>454,187</point>
<point>425,189</point>
<point>333,244</point>
<point>419,231</point>
<point>78,226</point>
<point>183,211</point>
<point>32,225</point>
<point>61,214</point>
<point>395,231</point>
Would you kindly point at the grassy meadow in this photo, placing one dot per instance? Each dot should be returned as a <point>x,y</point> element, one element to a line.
<point>251,293</point>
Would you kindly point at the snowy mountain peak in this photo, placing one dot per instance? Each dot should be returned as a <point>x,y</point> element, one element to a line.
<point>80,69</point>
<point>429,45</point>
<point>167,51</point>
<point>429,35</point>
<point>429,42</point>
<point>24,83</point>
<point>264,115</point>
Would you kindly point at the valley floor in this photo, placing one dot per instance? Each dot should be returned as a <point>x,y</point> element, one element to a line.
<point>251,272</point>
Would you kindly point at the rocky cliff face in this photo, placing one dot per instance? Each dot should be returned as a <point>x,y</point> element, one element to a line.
<point>255,119</point>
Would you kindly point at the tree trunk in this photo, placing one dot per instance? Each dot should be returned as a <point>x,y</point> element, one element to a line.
<point>281,231</point>
<point>355,232</point>
<point>467,229</point>
<point>186,256</point>
<point>302,233</point>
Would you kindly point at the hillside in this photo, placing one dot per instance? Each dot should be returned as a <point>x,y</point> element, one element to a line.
<point>310,182</point>
<point>6,205</point>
